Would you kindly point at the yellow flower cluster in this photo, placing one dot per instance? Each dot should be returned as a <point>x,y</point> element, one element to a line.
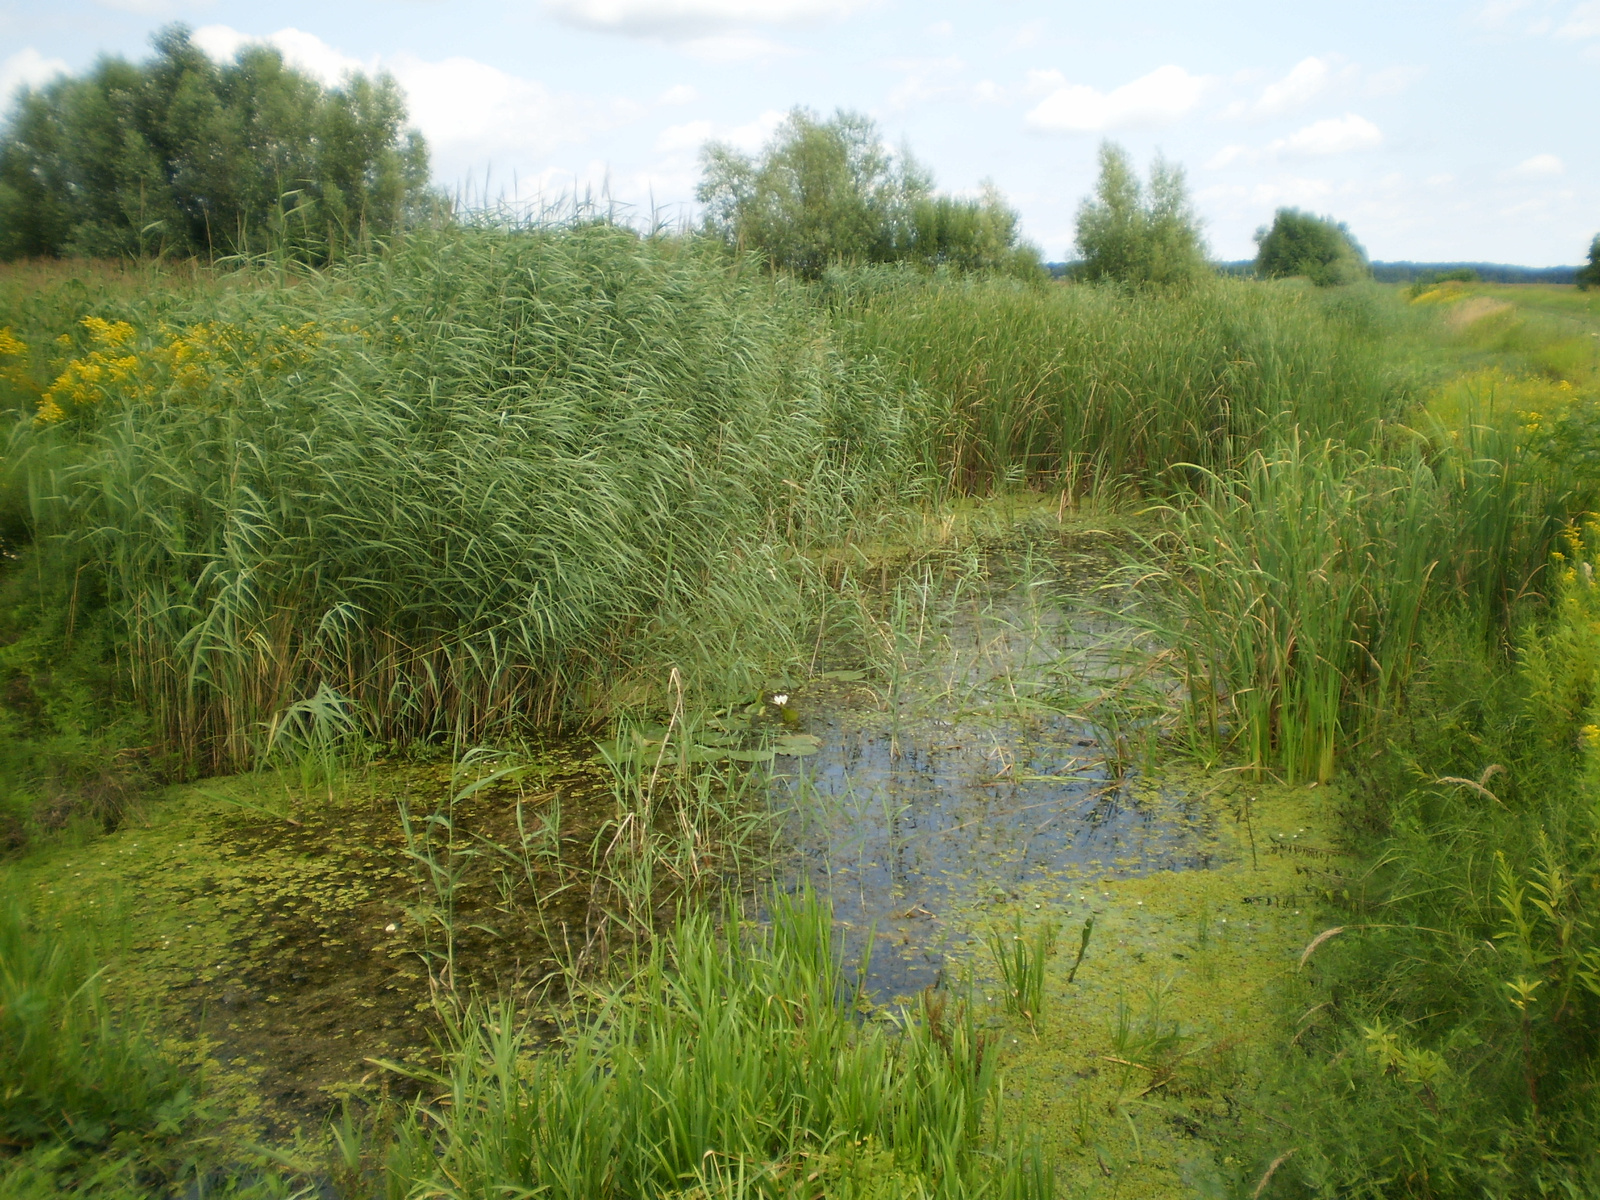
<point>14,360</point>
<point>1563,661</point>
<point>88,379</point>
<point>1537,407</point>
<point>1442,293</point>
<point>184,364</point>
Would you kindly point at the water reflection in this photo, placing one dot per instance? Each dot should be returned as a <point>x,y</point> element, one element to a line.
<point>990,767</point>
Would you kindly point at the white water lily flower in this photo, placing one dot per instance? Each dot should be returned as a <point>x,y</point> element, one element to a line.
<point>781,699</point>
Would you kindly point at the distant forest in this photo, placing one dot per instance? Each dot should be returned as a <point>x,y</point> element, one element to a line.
<point>1406,272</point>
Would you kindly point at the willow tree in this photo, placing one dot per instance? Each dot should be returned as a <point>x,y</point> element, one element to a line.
<point>1139,233</point>
<point>823,192</point>
<point>1318,248</point>
<point>182,155</point>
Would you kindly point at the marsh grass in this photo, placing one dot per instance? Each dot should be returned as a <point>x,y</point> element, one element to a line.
<point>1101,391</point>
<point>76,1073</point>
<point>485,473</point>
<point>1442,1043</point>
<point>730,1065</point>
<point>1302,579</point>
<point>1021,958</point>
<point>504,476</point>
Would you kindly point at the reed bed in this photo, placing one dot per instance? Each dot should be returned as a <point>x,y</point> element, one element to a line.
<point>1083,388</point>
<point>499,477</point>
<point>459,480</point>
<point>1301,579</point>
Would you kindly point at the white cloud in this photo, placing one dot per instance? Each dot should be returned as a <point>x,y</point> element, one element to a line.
<point>1582,22</point>
<point>1314,77</point>
<point>940,29</point>
<point>682,93</point>
<point>469,111</point>
<point>1391,81</point>
<point>469,108</point>
<point>1229,155</point>
<point>1158,98</point>
<point>1497,14</point>
<point>304,50</point>
<point>754,134</point>
<point>931,79</point>
<point>683,18</point>
<point>150,8</point>
<point>27,68</point>
<point>1270,194</point>
<point>1308,79</point>
<point>689,136</point>
<point>1042,83</point>
<point>1539,166</point>
<point>734,47</point>
<point>1028,34</point>
<point>1336,135</point>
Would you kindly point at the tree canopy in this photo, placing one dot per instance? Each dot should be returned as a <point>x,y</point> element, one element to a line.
<point>1139,233</point>
<point>1319,248</point>
<point>827,191</point>
<point>1589,275</point>
<point>180,155</point>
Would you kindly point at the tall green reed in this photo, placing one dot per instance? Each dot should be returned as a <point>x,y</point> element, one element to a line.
<point>731,1066</point>
<point>1444,1023</point>
<point>1021,958</point>
<point>1090,388</point>
<point>495,476</point>
<point>491,462</point>
<point>1301,579</point>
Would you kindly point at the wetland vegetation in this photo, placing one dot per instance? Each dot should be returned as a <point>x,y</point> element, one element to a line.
<point>549,709</point>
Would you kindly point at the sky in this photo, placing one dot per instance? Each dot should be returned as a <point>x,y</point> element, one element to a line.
<point>1437,131</point>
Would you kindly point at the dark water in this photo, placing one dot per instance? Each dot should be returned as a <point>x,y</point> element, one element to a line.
<point>1005,759</point>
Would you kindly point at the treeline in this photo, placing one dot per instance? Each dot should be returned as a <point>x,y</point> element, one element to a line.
<point>1411,272</point>
<point>179,155</point>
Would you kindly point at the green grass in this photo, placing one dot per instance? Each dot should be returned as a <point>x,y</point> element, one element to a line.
<point>1020,958</point>
<point>731,1066</point>
<point>89,1101</point>
<point>497,478</point>
<point>1440,1039</point>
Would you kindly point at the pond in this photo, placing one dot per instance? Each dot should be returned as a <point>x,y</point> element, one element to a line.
<point>1007,749</point>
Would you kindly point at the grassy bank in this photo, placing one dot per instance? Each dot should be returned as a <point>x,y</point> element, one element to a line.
<point>1412,622</point>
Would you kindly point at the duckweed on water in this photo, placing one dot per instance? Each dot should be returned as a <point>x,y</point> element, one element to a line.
<point>288,953</point>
